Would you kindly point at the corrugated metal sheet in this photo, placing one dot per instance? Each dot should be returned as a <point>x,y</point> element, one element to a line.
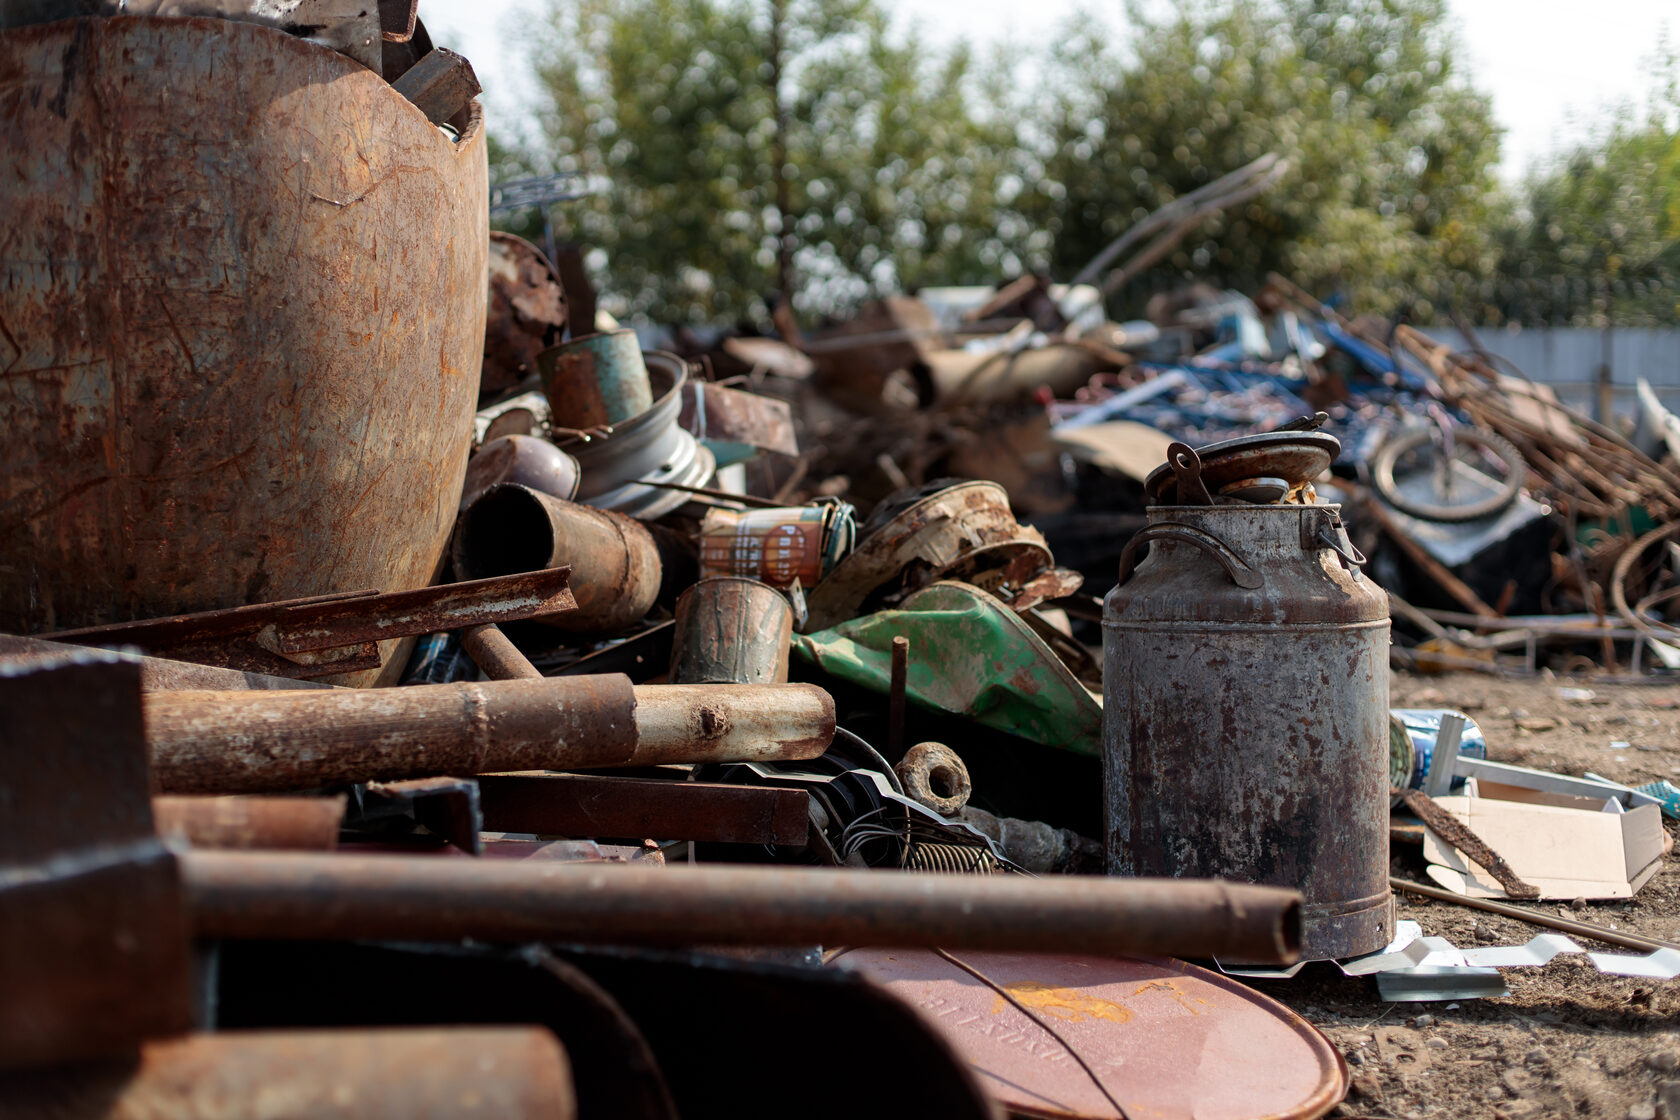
<point>1567,359</point>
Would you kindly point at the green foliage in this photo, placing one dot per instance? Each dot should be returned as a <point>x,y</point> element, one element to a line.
<point>1392,153</point>
<point>893,181</point>
<point>1600,239</point>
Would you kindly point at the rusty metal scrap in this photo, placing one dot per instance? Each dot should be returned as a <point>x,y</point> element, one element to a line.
<point>615,566</point>
<point>588,805</point>
<point>257,742</point>
<point>426,1073</point>
<point>269,895</point>
<point>93,938</point>
<point>527,311</point>
<point>272,823</point>
<point>1455,832</point>
<point>327,634</point>
<point>324,448</point>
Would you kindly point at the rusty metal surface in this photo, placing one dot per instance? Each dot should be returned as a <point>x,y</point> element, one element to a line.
<point>263,823</point>
<point>321,897</point>
<point>264,742</point>
<point>259,340</point>
<point>1170,1041</point>
<point>527,460</point>
<point>527,311</point>
<point>415,1073</point>
<point>1245,717</point>
<point>596,380</point>
<point>1294,457</point>
<point>723,415</point>
<point>498,657</point>
<point>307,637</point>
<point>448,808</point>
<point>730,723</point>
<point>93,937</point>
<point>731,630</point>
<point>157,674</point>
<point>587,805</point>
<point>960,532</point>
<point>614,561</point>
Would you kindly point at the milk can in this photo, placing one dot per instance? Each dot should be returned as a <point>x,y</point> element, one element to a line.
<point>1245,692</point>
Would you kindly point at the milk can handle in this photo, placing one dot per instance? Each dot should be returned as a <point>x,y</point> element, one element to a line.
<point>1241,574</point>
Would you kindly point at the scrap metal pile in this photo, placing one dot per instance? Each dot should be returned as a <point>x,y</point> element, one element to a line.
<point>419,698</point>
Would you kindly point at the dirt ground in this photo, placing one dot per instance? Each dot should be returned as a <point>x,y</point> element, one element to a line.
<point>1568,1041</point>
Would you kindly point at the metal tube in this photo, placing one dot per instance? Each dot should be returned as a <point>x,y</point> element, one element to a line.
<point>315,897</point>
<point>731,722</point>
<point>895,695</point>
<point>298,823</point>
<point>260,742</point>
<point>499,658</point>
<point>426,1073</point>
<point>1534,917</point>
<point>614,561</point>
<point>265,742</point>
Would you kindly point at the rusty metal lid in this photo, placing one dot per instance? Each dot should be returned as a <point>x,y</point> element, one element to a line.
<point>1169,1040</point>
<point>1293,457</point>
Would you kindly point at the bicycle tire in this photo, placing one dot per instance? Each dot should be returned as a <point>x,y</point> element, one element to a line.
<point>1382,476</point>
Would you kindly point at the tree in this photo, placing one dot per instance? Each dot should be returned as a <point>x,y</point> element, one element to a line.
<point>757,146</point>
<point>1598,242</point>
<point>1392,152</point>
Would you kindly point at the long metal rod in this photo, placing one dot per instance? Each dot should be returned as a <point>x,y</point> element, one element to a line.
<point>1533,917</point>
<point>500,659</point>
<point>314,897</point>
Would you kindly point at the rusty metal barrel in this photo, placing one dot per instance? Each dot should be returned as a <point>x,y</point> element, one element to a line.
<point>1245,709</point>
<point>242,287</point>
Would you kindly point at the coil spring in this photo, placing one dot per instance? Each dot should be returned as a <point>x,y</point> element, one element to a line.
<point>951,858</point>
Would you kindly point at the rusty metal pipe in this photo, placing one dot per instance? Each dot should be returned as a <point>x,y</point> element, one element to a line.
<point>308,824</point>
<point>731,722</point>
<point>492,652</point>
<point>316,897</point>
<point>428,1073</point>
<point>265,742</point>
<point>614,561</point>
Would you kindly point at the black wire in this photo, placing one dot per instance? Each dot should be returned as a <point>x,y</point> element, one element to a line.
<point>1042,1025</point>
<point>875,756</point>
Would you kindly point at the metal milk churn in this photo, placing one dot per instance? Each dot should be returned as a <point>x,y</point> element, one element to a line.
<point>1245,691</point>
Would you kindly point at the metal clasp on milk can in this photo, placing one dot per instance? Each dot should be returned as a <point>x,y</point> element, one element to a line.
<point>1245,689</point>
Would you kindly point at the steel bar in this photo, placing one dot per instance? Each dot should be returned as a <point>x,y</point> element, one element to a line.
<point>324,634</point>
<point>317,897</point>
<point>426,1073</point>
<point>265,742</point>
<point>591,806</point>
<point>1534,917</point>
<point>307,824</point>
<point>157,674</point>
<point>895,696</point>
<point>499,658</point>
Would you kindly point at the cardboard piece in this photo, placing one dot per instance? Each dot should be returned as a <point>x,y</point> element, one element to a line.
<point>1568,847</point>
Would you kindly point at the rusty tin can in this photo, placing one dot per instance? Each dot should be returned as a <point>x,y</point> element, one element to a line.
<point>1245,713</point>
<point>731,630</point>
<point>780,547</point>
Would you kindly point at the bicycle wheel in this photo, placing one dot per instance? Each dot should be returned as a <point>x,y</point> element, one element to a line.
<point>1444,502</point>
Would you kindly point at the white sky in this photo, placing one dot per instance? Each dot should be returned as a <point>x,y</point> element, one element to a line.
<point>1552,66</point>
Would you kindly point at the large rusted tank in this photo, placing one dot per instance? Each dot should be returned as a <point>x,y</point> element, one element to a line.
<point>241,321</point>
<point>1245,713</point>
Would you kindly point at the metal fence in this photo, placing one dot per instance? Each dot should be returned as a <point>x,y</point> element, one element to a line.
<point>1569,359</point>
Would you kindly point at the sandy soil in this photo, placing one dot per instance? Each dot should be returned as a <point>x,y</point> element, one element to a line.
<point>1568,1041</point>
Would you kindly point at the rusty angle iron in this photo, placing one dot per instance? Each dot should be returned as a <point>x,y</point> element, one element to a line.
<point>1169,1040</point>
<point>328,634</point>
